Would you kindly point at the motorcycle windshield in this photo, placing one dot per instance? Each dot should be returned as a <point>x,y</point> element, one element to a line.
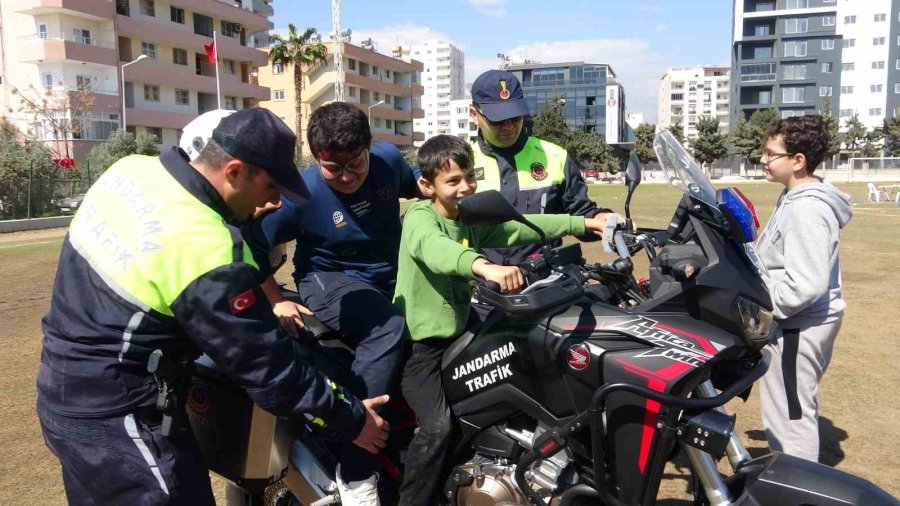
<point>681,170</point>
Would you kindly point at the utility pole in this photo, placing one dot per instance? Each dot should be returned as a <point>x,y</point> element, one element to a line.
<point>338,50</point>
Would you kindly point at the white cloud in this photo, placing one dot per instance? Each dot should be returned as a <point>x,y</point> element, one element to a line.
<point>493,8</point>
<point>637,66</point>
<point>661,28</point>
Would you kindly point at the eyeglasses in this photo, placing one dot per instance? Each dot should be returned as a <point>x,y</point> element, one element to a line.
<point>514,119</point>
<point>358,165</point>
<point>770,156</point>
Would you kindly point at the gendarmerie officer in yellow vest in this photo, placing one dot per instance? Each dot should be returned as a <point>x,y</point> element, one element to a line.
<point>152,273</point>
<point>534,175</point>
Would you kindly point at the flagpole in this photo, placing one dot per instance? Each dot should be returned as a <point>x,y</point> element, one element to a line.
<point>218,88</point>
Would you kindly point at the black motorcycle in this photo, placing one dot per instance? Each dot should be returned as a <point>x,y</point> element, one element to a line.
<point>580,388</point>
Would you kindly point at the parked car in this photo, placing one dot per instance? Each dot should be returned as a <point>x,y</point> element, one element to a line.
<point>591,175</point>
<point>69,205</point>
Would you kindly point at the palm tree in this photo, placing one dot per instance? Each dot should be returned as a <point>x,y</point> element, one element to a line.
<point>302,51</point>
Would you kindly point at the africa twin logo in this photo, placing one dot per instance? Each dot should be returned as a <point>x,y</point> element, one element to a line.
<point>672,346</point>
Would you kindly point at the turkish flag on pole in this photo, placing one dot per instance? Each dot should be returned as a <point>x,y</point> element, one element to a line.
<point>211,51</point>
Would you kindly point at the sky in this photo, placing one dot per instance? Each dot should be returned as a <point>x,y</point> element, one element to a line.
<point>639,39</point>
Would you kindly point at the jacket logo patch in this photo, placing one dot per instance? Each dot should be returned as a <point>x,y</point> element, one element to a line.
<point>338,219</point>
<point>538,172</point>
<point>242,302</point>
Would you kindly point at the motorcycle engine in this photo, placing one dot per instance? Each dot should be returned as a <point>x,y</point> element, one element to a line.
<point>493,484</point>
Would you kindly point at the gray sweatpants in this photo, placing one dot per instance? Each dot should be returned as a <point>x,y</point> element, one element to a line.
<point>790,411</point>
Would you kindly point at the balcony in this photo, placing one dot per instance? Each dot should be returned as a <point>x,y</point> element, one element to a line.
<point>184,77</point>
<point>93,9</point>
<point>158,119</point>
<point>52,47</point>
<point>263,8</point>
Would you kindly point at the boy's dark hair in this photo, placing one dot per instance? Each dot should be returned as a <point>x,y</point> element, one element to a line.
<point>338,126</point>
<point>437,152</point>
<point>803,134</point>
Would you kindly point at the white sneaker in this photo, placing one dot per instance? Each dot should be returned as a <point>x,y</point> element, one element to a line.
<point>358,493</point>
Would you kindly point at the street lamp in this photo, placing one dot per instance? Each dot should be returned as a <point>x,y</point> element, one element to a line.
<point>376,104</point>
<point>139,58</point>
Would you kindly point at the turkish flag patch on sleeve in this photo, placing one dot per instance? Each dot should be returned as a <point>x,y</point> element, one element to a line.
<point>242,302</point>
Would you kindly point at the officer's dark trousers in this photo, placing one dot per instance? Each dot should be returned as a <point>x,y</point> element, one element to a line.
<point>367,319</point>
<point>124,460</point>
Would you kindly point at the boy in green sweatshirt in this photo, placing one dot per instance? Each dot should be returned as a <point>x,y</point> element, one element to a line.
<point>438,260</point>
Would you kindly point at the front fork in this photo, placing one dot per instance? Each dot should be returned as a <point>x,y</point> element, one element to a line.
<point>705,466</point>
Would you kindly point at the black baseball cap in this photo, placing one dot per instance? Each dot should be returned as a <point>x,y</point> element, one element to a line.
<point>257,137</point>
<point>498,94</point>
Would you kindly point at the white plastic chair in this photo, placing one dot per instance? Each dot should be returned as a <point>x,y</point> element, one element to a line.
<point>875,193</point>
<point>897,199</point>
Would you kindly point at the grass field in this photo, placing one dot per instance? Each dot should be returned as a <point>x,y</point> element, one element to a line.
<point>857,397</point>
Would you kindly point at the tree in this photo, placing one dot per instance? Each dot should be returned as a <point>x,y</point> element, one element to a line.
<point>749,137</point>
<point>709,145</point>
<point>590,150</point>
<point>891,132</point>
<point>677,131</point>
<point>411,155</point>
<point>20,156</point>
<point>550,123</point>
<point>302,52</point>
<point>833,127</point>
<point>643,146</point>
<point>62,115</point>
<point>120,145</point>
<point>855,136</point>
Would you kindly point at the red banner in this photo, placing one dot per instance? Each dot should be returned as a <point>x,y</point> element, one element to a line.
<point>211,51</point>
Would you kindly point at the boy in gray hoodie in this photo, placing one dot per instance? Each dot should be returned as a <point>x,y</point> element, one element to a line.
<point>800,248</point>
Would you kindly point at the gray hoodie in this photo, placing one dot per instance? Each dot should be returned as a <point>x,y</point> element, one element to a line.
<point>800,247</point>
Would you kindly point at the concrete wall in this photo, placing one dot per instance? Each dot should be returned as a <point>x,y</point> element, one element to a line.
<point>34,224</point>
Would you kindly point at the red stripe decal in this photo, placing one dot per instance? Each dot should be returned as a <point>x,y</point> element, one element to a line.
<point>649,429</point>
<point>702,341</point>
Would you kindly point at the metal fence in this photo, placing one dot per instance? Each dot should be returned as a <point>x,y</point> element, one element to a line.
<point>38,197</point>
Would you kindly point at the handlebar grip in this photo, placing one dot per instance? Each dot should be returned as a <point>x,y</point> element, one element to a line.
<point>488,284</point>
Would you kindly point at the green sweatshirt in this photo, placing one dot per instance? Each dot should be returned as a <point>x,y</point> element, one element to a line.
<point>435,264</point>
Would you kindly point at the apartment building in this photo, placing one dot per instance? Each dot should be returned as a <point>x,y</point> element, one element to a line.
<point>594,101</point>
<point>688,94</point>
<point>387,89</point>
<point>801,56</point>
<point>156,47</point>
<point>461,124</point>
<point>443,80</point>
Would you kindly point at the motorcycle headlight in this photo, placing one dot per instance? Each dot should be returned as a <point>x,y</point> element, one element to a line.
<point>756,322</point>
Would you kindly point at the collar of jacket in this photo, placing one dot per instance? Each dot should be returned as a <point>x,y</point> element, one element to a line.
<point>491,150</point>
<point>177,164</point>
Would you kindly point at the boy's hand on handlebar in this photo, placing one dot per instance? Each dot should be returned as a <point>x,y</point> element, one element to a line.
<point>598,223</point>
<point>509,277</point>
<point>374,434</point>
<point>290,317</point>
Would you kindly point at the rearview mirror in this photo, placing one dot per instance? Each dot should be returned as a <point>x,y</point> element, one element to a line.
<point>633,170</point>
<point>491,208</point>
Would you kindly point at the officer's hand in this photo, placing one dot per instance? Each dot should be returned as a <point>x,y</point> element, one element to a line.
<point>270,206</point>
<point>289,319</point>
<point>374,434</point>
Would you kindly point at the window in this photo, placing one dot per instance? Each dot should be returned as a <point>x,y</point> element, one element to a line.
<point>827,20</point>
<point>148,49</point>
<point>179,56</point>
<point>794,71</point>
<point>875,111</point>
<point>847,67</point>
<point>351,63</point>
<point>790,113</point>
<point>827,44</point>
<point>228,67</point>
<point>677,96</point>
<point>795,48</point>
<point>352,91</point>
<point>877,65</point>
<point>878,41</point>
<point>48,80</point>
<point>797,4</point>
<point>849,20</point>
<point>176,14</point>
<point>156,132</point>
<point>278,95</point>
<point>148,7</point>
<point>151,93</point>
<point>82,36</point>
<point>277,68</point>
<point>388,123</point>
<point>827,68</point>
<point>880,17</point>
<point>846,90</point>
<point>203,25</point>
<point>182,97</point>
<point>876,88</point>
<point>231,103</point>
<point>230,29</point>
<point>846,113</point>
<point>84,82</point>
<point>825,91</point>
<point>793,94</point>
<point>897,64</point>
<point>388,99</point>
<point>377,96</point>
<point>848,43</point>
<point>761,30</point>
<point>897,88</point>
<point>795,25</point>
<point>761,52</point>
<point>757,72</point>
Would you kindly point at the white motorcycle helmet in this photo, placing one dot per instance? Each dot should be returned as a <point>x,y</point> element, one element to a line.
<point>197,133</point>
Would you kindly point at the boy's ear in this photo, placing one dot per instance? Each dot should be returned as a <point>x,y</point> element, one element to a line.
<point>425,188</point>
